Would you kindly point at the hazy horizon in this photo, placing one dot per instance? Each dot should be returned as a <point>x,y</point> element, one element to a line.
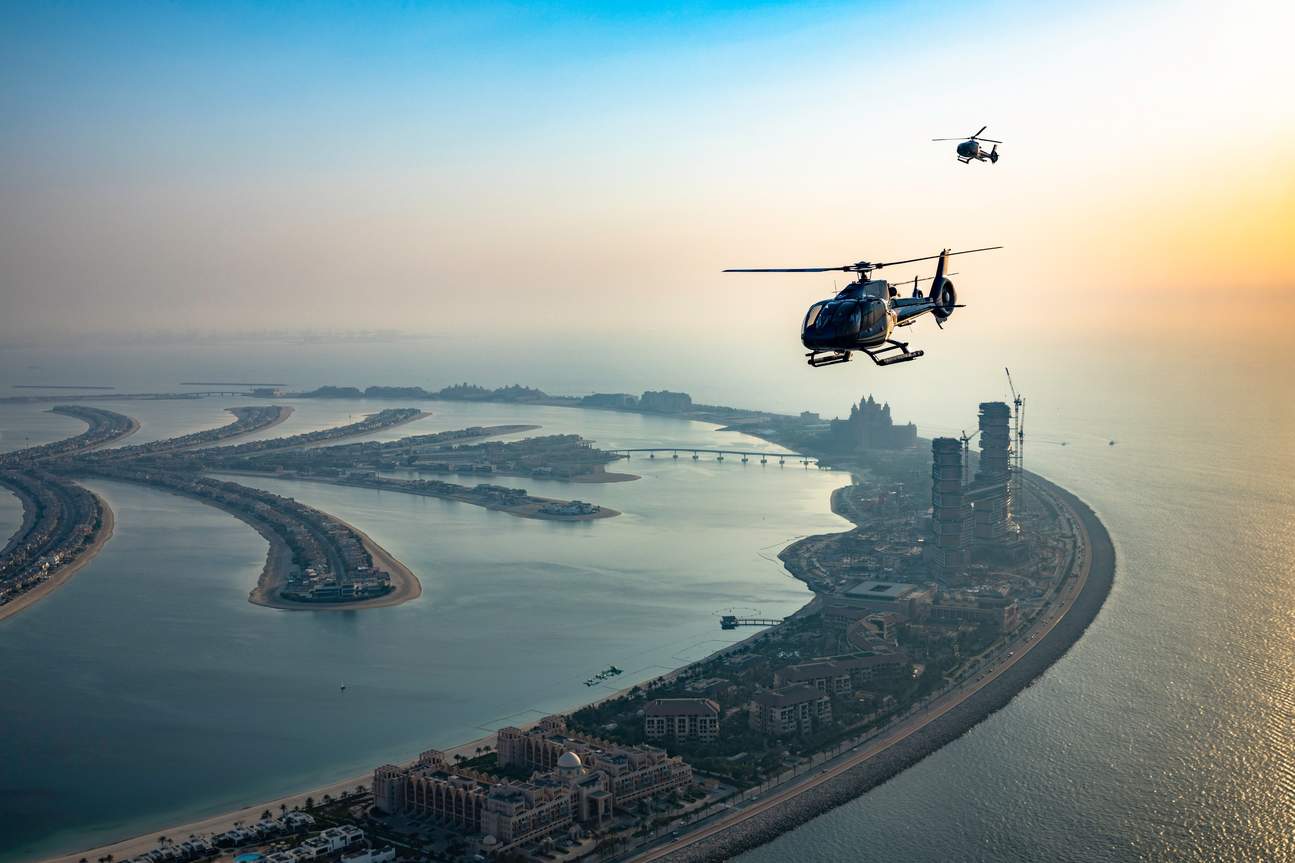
<point>588,169</point>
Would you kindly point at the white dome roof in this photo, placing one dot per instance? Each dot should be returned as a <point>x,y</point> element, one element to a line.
<point>570,759</point>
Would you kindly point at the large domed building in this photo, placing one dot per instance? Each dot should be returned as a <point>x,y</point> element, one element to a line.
<point>570,766</point>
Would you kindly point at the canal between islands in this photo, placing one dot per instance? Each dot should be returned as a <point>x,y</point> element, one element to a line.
<point>147,691</point>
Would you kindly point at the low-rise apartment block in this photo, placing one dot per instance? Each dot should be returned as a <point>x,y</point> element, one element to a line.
<point>681,719</point>
<point>795,709</point>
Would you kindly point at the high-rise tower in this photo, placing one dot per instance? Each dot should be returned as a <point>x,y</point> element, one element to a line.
<point>948,551</point>
<point>990,490</point>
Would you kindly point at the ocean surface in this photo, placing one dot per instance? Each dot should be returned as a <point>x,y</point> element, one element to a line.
<point>151,675</point>
<point>148,691</point>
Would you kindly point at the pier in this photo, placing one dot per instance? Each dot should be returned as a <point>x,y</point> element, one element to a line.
<point>732,621</point>
<point>696,453</point>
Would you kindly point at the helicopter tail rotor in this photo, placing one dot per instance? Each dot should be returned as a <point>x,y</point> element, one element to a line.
<point>942,293</point>
<point>993,155</point>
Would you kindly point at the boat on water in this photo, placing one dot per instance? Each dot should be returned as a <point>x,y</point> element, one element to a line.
<point>611,671</point>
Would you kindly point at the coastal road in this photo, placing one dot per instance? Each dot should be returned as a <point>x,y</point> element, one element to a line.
<point>1047,619</point>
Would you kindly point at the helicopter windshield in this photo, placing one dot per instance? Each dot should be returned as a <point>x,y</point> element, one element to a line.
<point>842,324</point>
<point>832,321</point>
<point>812,315</point>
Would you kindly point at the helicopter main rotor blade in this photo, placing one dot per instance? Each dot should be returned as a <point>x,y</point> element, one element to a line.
<point>982,128</point>
<point>948,139</point>
<point>933,257</point>
<point>923,279</point>
<point>790,270</point>
<point>988,140</point>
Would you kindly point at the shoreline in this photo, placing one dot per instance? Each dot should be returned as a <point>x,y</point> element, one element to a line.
<point>404,584</point>
<point>107,525</point>
<point>278,558</point>
<point>285,411</point>
<point>529,510</point>
<point>912,739</point>
<point>134,427</point>
<point>900,747</point>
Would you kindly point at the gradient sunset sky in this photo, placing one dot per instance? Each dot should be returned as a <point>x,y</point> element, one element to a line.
<point>580,167</point>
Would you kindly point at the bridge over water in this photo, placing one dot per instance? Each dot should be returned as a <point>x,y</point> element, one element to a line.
<point>697,452</point>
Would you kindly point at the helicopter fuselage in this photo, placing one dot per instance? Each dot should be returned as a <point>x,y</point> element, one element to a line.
<point>858,317</point>
<point>969,150</point>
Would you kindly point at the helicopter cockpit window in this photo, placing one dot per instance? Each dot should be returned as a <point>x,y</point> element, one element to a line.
<point>834,319</point>
<point>873,314</point>
<point>811,317</point>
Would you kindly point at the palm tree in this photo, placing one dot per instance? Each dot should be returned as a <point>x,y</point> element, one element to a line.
<point>310,802</point>
<point>283,807</point>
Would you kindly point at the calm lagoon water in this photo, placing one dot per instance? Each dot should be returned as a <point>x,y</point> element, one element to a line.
<point>151,675</point>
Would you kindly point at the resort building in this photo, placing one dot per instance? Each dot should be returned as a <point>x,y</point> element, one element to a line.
<point>681,719</point>
<point>843,675</point>
<point>796,709</point>
<point>634,772</point>
<point>1000,613</point>
<point>576,784</point>
<point>453,797</point>
<point>864,598</point>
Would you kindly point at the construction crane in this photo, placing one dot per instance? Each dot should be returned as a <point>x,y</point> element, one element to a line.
<point>1018,452</point>
<point>966,454</point>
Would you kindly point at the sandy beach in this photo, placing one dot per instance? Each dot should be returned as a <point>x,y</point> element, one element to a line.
<point>841,780</point>
<point>278,562</point>
<point>285,411</point>
<point>107,524</point>
<point>134,427</point>
<point>219,823</point>
<point>404,584</point>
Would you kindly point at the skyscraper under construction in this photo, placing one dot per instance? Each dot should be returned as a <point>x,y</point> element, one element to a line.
<point>948,552</point>
<point>976,513</point>
<point>990,490</point>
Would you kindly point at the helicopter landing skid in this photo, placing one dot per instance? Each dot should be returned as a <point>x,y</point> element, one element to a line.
<point>884,357</point>
<point>827,358</point>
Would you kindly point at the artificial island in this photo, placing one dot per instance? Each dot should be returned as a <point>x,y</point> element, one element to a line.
<point>315,560</point>
<point>962,579</point>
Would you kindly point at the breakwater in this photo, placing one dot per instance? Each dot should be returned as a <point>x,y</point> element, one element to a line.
<point>761,828</point>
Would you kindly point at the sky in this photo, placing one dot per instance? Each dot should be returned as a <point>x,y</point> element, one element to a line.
<point>522,173</point>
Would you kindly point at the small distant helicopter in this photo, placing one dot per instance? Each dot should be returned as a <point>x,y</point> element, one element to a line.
<point>862,316</point>
<point>970,148</point>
